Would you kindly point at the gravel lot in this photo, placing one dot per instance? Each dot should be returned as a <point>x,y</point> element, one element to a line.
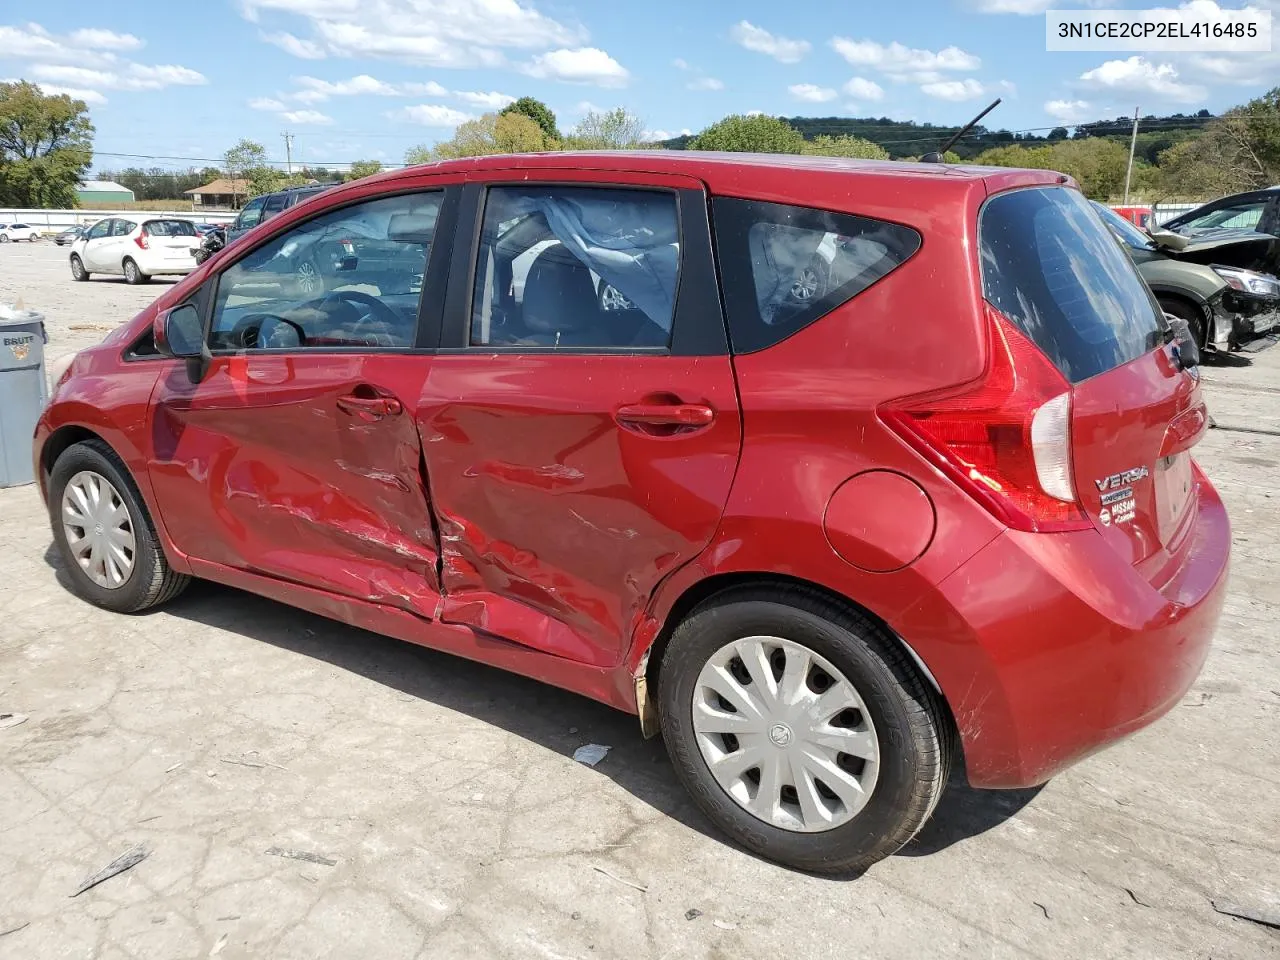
<point>452,821</point>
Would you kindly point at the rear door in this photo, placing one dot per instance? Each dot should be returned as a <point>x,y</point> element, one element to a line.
<point>297,455</point>
<point>580,443</point>
<point>1052,268</point>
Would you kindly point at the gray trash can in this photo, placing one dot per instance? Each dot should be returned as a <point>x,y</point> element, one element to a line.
<point>23,391</point>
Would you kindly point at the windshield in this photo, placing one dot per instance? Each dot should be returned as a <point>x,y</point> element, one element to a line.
<point>1051,267</point>
<point>1122,228</point>
<point>170,228</point>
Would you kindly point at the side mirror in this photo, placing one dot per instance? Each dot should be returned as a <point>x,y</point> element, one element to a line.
<point>1167,239</point>
<point>179,333</point>
<point>1186,352</point>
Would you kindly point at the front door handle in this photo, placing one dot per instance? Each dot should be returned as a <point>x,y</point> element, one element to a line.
<point>665,419</point>
<point>370,408</point>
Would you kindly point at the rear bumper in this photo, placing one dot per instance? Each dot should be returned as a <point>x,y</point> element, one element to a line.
<point>1049,647</point>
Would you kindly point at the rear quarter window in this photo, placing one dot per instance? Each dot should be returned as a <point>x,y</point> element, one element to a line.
<point>782,267</point>
<point>1050,265</point>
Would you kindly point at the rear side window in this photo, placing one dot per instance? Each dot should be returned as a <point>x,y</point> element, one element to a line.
<point>1050,265</point>
<point>782,267</point>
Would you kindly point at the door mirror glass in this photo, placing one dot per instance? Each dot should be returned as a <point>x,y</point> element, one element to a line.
<point>179,332</point>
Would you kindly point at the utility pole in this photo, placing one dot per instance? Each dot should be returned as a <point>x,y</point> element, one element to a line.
<point>1133,143</point>
<point>288,151</point>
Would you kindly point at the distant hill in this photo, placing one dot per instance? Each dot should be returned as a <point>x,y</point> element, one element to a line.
<point>906,138</point>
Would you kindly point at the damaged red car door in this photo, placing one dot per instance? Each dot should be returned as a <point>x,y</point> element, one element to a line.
<point>297,453</point>
<point>581,422</point>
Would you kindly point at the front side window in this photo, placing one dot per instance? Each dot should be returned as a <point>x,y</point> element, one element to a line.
<point>250,215</point>
<point>568,266</point>
<point>1051,267</point>
<point>348,278</point>
<point>99,230</point>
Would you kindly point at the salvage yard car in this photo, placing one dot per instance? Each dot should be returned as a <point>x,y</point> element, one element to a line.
<point>1223,306</point>
<point>944,512</point>
<point>135,248</point>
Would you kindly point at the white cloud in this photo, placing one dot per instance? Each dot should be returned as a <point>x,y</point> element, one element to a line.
<point>1068,111</point>
<point>652,135</point>
<point>489,101</point>
<point>302,49</point>
<point>680,64</point>
<point>441,33</point>
<point>428,89</point>
<point>269,104</point>
<point>754,113</point>
<point>586,106</point>
<point>92,38</point>
<point>1023,8</point>
<point>133,76</point>
<point>1138,75</point>
<point>904,63</point>
<point>583,65</point>
<point>954,90</point>
<point>431,115</point>
<point>706,83</point>
<point>317,91</point>
<point>91,97</point>
<point>307,117</point>
<point>811,93</point>
<point>755,38</point>
<point>862,89</point>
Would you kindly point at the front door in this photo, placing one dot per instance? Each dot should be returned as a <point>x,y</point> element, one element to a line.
<point>297,455</point>
<point>96,242</point>
<point>580,422</point>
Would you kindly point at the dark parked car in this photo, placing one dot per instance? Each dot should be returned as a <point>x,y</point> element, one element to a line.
<point>1252,217</point>
<point>71,234</point>
<point>1224,306</point>
<point>827,546</point>
<point>262,208</point>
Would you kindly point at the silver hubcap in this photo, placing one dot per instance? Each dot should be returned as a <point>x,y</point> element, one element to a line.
<point>99,529</point>
<point>130,271</point>
<point>308,278</point>
<point>806,285</point>
<point>611,299</point>
<point>785,734</point>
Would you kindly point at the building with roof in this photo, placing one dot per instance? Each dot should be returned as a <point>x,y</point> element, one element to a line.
<point>94,193</point>
<point>224,193</point>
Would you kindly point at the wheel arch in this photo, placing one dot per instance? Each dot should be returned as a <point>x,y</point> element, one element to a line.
<point>716,584</point>
<point>58,441</point>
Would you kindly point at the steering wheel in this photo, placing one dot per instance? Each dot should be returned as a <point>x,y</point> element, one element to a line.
<point>376,308</point>
<point>247,333</point>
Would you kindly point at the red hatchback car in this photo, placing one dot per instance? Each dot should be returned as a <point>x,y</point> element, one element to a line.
<point>833,472</point>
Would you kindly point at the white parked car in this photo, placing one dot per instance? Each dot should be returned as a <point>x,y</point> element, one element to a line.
<point>18,231</point>
<point>136,249</point>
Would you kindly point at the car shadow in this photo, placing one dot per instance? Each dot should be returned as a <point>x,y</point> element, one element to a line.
<point>554,719</point>
<point>1222,358</point>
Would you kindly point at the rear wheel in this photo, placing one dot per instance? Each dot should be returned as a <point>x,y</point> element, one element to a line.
<point>78,272</point>
<point>104,534</point>
<point>802,729</point>
<point>132,273</point>
<point>307,280</point>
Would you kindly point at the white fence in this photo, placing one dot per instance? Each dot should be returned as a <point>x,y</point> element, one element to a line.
<point>54,221</point>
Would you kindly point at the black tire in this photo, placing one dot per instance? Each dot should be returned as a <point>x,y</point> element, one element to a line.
<point>1190,313</point>
<point>4,237</point>
<point>133,273</point>
<point>78,272</point>
<point>151,581</point>
<point>914,735</point>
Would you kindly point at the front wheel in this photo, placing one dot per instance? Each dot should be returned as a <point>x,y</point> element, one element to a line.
<point>4,238</point>
<point>104,534</point>
<point>306,280</point>
<point>78,272</point>
<point>802,729</point>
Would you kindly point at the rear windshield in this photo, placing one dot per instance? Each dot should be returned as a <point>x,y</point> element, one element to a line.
<point>170,228</point>
<point>1050,265</point>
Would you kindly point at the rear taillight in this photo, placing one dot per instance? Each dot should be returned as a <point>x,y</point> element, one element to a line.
<point>1006,440</point>
<point>143,241</point>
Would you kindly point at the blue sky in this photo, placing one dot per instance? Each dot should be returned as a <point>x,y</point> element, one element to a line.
<point>365,79</point>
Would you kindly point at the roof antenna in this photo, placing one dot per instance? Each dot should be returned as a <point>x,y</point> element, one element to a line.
<point>937,155</point>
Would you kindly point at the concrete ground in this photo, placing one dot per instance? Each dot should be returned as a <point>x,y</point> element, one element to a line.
<point>451,821</point>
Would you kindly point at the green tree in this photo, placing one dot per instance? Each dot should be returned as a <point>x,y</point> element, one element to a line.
<point>1033,158</point>
<point>363,168</point>
<point>46,146</point>
<point>1097,165</point>
<point>844,146</point>
<point>611,130</point>
<point>749,134</point>
<point>538,112</point>
<point>1240,151</point>
<point>486,135</point>
<point>247,161</point>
